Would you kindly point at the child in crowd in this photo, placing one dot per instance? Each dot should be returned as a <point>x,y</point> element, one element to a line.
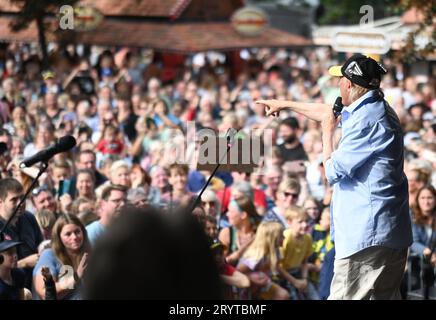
<point>321,244</point>
<point>296,249</point>
<point>211,226</point>
<point>110,144</point>
<point>232,278</point>
<point>61,171</point>
<point>178,179</point>
<point>260,262</point>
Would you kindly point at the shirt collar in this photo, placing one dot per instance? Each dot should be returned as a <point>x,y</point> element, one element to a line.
<point>356,103</point>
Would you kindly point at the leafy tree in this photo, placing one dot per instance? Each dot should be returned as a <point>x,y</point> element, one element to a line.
<point>427,9</point>
<point>35,11</point>
<point>347,12</point>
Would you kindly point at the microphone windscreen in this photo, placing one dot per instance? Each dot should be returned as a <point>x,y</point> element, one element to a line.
<point>66,143</point>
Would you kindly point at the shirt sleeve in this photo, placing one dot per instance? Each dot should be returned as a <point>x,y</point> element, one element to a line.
<point>250,263</point>
<point>47,259</point>
<point>228,270</point>
<point>356,147</point>
<point>417,246</point>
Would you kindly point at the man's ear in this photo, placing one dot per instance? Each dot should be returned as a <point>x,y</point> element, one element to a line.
<point>100,202</point>
<point>349,85</point>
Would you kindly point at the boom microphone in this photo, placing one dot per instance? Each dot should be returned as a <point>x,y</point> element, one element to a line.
<point>63,144</point>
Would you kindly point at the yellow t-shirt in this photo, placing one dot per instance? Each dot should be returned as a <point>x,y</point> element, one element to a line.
<point>295,251</point>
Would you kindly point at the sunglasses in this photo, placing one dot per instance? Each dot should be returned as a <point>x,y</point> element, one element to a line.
<point>38,190</point>
<point>210,203</point>
<point>312,208</point>
<point>288,194</point>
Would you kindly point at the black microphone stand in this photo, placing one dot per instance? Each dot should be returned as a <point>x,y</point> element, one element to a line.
<point>170,187</point>
<point>198,198</point>
<point>42,169</point>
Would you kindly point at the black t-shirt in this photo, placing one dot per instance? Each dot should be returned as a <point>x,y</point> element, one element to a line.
<point>27,231</point>
<point>293,154</point>
<point>128,127</point>
<point>12,292</point>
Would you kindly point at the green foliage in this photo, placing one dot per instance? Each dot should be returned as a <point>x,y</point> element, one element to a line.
<point>347,12</point>
<point>36,11</point>
<point>427,8</point>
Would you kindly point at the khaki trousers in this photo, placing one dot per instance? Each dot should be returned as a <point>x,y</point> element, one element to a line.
<point>374,273</point>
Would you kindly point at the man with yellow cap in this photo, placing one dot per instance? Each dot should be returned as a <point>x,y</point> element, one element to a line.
<point>370,226</point>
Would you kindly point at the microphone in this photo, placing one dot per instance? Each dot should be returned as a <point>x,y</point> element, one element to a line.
<point>63,144</point>
<point>337,107</point>
<point>3,147</point>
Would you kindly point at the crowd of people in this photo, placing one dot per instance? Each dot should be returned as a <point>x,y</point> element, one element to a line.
<point>267,229</point>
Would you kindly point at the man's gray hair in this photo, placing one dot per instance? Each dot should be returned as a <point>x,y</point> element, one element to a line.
<point>244,187</point>
<point>357,91</point>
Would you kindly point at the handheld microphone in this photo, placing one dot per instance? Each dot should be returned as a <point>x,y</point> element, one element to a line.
<point>337,107</point>
<point>3,147</point>
<point>63,144</point>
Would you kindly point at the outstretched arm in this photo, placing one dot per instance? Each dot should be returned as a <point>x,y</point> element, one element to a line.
<point>313,111</point>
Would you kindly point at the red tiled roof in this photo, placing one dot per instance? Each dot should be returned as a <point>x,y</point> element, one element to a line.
<point>176,37</point>
<point>141,8</point>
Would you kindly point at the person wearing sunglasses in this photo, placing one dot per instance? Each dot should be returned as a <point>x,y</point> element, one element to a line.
<point>43,199</point>
<point>371,225</point>
<point>287,195</point>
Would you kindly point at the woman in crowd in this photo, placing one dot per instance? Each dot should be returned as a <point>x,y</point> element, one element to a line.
<point>243,221</point>
<point>85,184</point>
<point>260,262</point>
<point>44,136</point>
<point>424,222</point>
<point>66,260</point>
<point>313,212</point>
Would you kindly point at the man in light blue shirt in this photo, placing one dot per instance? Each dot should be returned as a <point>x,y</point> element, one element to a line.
<point>113,198</point>
<point>371,225</point>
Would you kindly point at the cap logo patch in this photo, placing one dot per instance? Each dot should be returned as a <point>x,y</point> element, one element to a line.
<point>353,69</point>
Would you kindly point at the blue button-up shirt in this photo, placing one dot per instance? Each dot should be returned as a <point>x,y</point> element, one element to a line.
<point>370,193</point>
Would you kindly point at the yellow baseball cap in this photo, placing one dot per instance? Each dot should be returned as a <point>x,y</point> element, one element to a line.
<point>48,74</point>
<point>335,71</point>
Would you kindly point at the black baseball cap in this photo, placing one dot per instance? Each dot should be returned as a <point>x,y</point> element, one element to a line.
<point>361,70</point>
<point>7,244</point>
